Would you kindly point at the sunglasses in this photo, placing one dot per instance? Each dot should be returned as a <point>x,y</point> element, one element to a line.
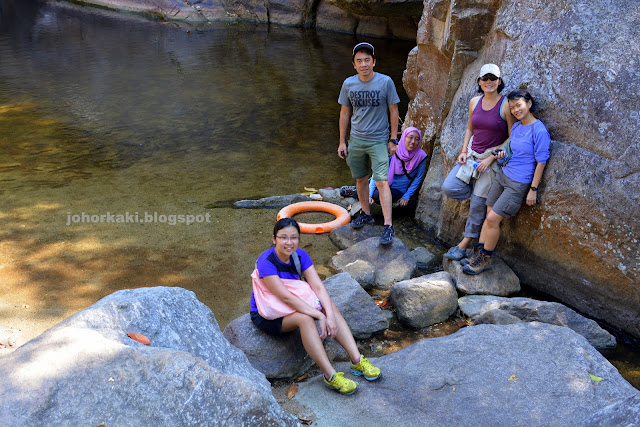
<point>492,78</point>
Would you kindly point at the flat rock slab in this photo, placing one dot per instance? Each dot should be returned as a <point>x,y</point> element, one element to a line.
<point>347,236</point>
<point>86,370</point>
<point>500,280</point>
<point>529,374</point>
<point>499,310</point>
<point>392,262</point>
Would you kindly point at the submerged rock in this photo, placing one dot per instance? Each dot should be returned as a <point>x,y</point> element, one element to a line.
<point>483,375</point>
<point>392,262</point>
<point>86,370</point>
<point>272,202</point>
<point>491,309</point>
<point>425,300</point>
<point>500,280</point>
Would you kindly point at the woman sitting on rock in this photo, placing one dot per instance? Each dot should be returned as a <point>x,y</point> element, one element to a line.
<point>489,123</point>
<point>282,302</point>
<point>406,169</point>
<point>517,179</point>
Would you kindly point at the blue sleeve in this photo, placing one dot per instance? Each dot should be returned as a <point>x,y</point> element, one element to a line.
<point>541,143</point>
<point>372,187</point>
<point>305,259</point>
<point>417,180</point>
<point>392,94</point>
<point>343,99</point>
<point>264,266</point>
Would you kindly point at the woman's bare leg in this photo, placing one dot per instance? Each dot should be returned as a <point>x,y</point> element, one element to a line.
<point>310,339</point>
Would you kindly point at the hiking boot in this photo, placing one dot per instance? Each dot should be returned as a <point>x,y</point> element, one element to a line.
<point>482,262</point>
<point>387,235</point>
<point>455,254</point>
<point>475,250</point>
<point>361,220</point>
<point>365,368</point>
<point>341,384</point>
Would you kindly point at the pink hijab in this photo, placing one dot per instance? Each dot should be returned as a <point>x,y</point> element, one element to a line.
<point>411,159</point>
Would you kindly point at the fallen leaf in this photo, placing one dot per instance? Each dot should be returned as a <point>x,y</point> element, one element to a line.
<point>308,245</point>
<point>302,378</point>
<point>139,337</point>
<point>305,421</point>
<point>293,389</point>
<point>595,378</point>
<point>313,190</point>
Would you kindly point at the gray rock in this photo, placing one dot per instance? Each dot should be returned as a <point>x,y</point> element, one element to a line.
<point>272,202</point>
<point>624,413</point>
<point>425,300</point>
<point>424,258</point>
<point>528,374</point>
<point>530,310</point>
<point>362,314</point>
<point>496,317</point>
<point>86,370</point>
<point>362,272</point>
<point>392,262</point>
<point>333,196</point>
<point>347,236</point>
<point>285,357</point>
<point>500,280</point>
<point>275,357</point>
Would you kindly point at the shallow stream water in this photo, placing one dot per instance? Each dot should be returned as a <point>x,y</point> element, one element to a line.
<point>104,114</point>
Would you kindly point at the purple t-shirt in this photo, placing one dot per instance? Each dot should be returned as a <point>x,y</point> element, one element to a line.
<point>530,145</point>
<point>489,127</point>
<point>269,264</point>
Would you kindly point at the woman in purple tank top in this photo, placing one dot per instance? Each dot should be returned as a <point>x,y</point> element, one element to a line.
<point>488,128</point>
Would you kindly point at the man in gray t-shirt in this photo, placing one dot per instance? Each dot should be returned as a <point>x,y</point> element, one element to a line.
<point>369,95</point>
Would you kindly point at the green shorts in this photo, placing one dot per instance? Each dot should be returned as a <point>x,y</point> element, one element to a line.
<point>361,153</point>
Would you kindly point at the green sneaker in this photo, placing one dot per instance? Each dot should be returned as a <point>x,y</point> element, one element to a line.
<point>340,383</point>
<point>365,368</point>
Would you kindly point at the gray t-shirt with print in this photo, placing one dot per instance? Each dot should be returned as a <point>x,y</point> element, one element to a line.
<point>369,103</point>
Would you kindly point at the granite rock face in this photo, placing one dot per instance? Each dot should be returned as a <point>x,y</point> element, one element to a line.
<point>579,243</point>
<point>86,370</point>
<point>483,375</point>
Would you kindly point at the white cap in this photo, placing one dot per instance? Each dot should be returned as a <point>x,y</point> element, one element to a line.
<point>489,69</point>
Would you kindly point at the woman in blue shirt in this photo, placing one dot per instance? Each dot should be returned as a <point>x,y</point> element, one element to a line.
<point>406,169</point>
<point>518,179</point>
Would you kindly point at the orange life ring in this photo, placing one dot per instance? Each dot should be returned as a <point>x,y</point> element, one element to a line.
<point>341,214</point>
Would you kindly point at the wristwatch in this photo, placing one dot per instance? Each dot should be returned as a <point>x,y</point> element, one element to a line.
<point>534,188</point>
<point>395,141</point>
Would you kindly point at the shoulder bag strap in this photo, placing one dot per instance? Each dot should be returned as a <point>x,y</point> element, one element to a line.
<point>296,262</point>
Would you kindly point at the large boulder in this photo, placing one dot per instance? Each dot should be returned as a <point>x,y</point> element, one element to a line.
<point>362,272</point>
<point>392,262</point>
<point>483,375</point>
<point>86,370</point>
<point>359,310</point>
<point>579,243</point>
<point>425,300</point>
<point>491,309</point>
<point>275,356</point>
<point>347,236</point>
<point>500,280</point>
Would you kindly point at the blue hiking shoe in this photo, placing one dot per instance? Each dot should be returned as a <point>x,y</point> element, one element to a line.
<point>455,254</point>
<point>387,235</point>
<point>361,220</point>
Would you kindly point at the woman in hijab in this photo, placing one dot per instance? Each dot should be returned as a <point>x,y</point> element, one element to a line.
<point>406,169</point>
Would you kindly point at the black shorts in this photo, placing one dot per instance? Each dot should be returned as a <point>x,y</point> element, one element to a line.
<point>272,327</point>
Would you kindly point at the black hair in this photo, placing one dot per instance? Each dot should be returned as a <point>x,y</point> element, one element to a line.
<point>521,93</point>
<point>283,223</point>
<point>500,85</point>
<point>363,47</point>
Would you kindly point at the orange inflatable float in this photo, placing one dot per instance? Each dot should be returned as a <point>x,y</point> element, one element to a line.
<point>341,214</point>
